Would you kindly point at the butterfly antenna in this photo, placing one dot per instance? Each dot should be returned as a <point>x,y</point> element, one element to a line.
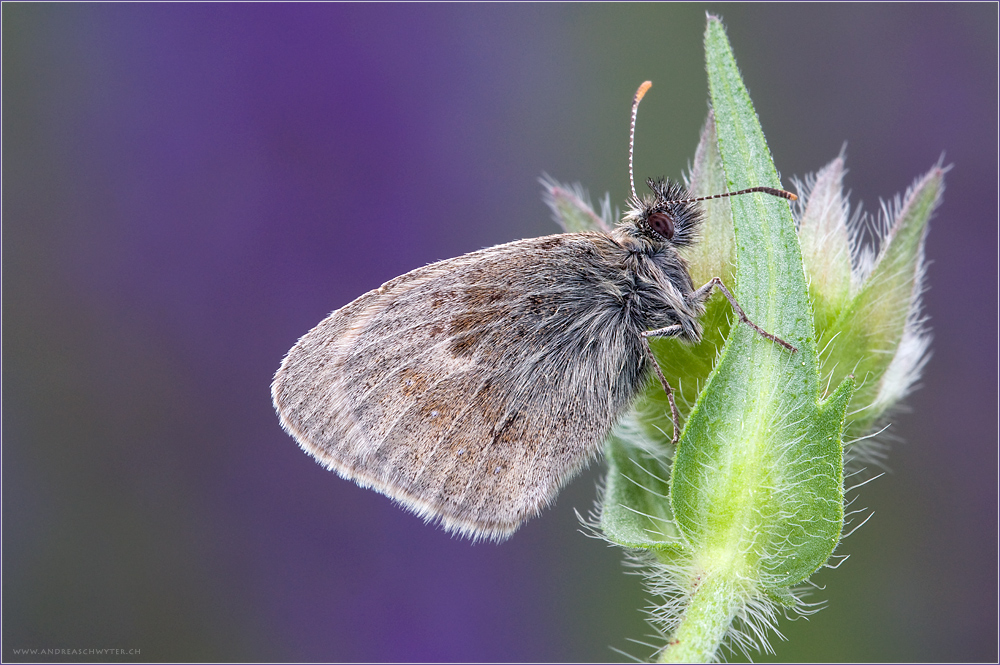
<point>631,132</point>
<point>767,190</point>
<point>639,94</point>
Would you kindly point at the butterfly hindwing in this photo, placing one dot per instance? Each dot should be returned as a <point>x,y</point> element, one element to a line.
<point>471,389</point>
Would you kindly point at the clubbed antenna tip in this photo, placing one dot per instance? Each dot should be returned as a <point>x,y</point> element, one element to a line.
<point>639,94</point>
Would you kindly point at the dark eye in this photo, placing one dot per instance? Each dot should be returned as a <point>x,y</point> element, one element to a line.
<point>663,224</point>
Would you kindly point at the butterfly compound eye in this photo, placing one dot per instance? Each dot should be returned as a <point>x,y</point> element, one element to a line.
<point>662,223</point>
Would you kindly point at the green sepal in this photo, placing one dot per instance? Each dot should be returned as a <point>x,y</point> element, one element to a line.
<point>825,243</point>
<point>635,511</point>
<point>714,253</point>
<point>865,337</point>
<point>756,486</point>
<point>782,596</point>
<point>571,207</point>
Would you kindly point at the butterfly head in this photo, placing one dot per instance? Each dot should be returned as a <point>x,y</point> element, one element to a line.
<point>666,216</point>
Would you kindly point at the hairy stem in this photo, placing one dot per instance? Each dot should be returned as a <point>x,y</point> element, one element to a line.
<point>711,610</point>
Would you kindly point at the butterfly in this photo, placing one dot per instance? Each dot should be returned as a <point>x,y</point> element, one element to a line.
<point>472,389</point>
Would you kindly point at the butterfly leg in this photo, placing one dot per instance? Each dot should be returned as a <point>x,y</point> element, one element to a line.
<point>669,331</point>
<point>703,293</point>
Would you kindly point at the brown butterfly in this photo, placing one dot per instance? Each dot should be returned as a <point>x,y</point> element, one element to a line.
<point>472,389</point>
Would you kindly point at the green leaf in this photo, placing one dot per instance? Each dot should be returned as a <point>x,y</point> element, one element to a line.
<point>757,487</point>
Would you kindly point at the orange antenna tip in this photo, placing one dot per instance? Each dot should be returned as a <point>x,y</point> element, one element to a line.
<point>641,92</point>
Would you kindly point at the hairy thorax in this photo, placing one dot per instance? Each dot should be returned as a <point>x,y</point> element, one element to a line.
<point>656,287</point>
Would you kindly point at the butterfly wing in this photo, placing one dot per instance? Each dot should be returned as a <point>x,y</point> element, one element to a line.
<point>472,389</point>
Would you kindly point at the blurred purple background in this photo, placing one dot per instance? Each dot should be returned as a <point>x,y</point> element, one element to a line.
<point>189,188</point>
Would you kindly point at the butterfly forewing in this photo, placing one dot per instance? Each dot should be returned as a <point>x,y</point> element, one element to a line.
<point>472,389</point>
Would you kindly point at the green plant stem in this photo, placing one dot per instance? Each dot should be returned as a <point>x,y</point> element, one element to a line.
<point>711,610</point>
